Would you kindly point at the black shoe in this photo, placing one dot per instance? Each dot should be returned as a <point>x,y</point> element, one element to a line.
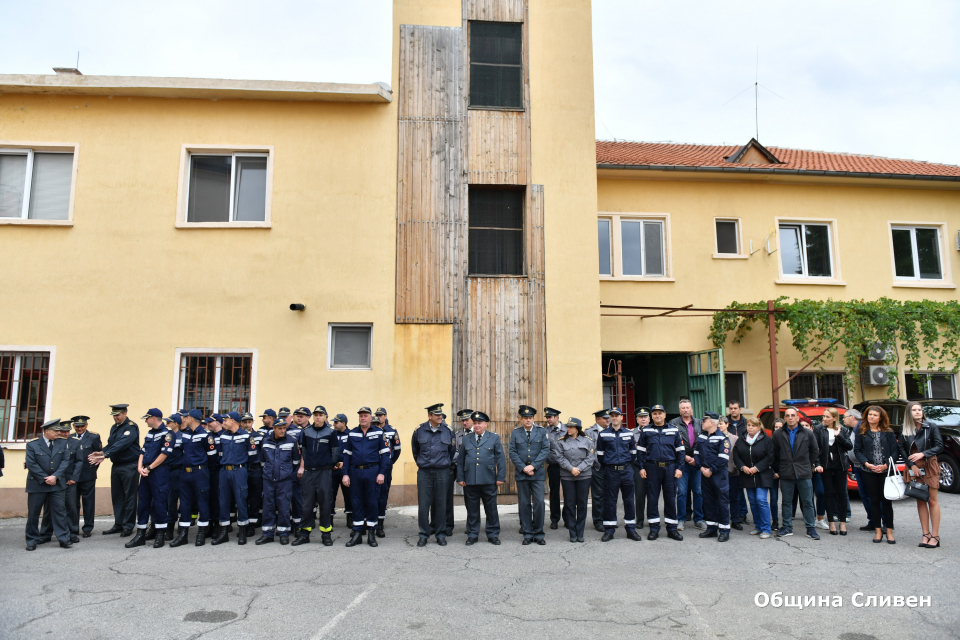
<point>151,533</point>
<point>573,537</point>
<point>31,546</point>
<point>723,537</point>
<point>471,541</point>
<point>579,538</point>
<point>653,535</point>
<point>526,541</point>
<point>867,527</point>
<point>422,542</point>
<point>674,535</point>
<point>201,537</point>
<point>251,530</point>
<point>222,536</point>
<point>708,534</point>
<point>284,540</point>
<point>74,538</point>
<point>599,527</point>
<point>554,525</point>
<point>495,541</point>
<point>229,528</point>
<point>633,535</point>
<point>168,532</point>
<point>379,531</point>
<point>181,538</point>
<point>326,540</point>
<point>640,524</point>
<point>241,535</point>
<point>113,529</point>
<point>303,538</point>
<point>355,538</point>
<point>540,541</point>
<point>213,531</point>
<point>66,545</point>
<point>86,534</point>
<point>774,525</point>
<point>264,539</point>
<point>448,532</point>
<point>737,526</point>
<point>126,533</point>
<point>160,540</point>
<point>372,539</point>
<point>138,540</point>
<point>442,541</point>
<point>607,536</point>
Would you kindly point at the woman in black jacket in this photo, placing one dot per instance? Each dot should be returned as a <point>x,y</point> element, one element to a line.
<point>875,444</point>
<point>922,442</point>
<point>833,459</point>
<point>753,455</point>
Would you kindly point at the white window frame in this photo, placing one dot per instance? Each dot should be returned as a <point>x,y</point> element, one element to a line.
<point>746,395</point>
<point>833,237</point>
<point>219,352</point>
<point>617,245</point>
<point>9,428</point>
<point>610,239</point>
<point>739,255</point>
<point>946,271</point>
<point>330,327</point>
<point>30,148</point>
<point>187,150</point>
<point>952,374</point>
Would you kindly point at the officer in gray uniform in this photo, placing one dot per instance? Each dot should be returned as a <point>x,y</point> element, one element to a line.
<point>555,431</point>
<point>529,448</point>
<point>87,483</point>
<point>602,421</point>
<point>70,495</point>
<point>47,463</point>
<point>481,468</point>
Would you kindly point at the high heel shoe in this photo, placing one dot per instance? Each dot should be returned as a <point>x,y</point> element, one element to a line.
<point>922,543</point>
<point>878,540</point>
<point>843,532</point>
<point>934,546</point>
<point>889,541</point>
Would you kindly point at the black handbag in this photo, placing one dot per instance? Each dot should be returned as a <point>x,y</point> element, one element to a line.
<point>917,489</point>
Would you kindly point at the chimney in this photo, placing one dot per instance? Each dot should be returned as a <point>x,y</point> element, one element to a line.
<point>66,71</point>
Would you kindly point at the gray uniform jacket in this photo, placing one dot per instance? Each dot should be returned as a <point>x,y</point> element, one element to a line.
<point>682,428</point>
<point>554,433</point>
<point>42,462</point>
<point>579,452</point>
<point>75,467</point>
<point>594,434</point>
<point>483,462</point>
<point>533,453</point>
<point>89,443</point>
<point>458,437</point>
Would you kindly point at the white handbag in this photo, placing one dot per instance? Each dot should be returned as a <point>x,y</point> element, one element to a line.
<point>893,486</point>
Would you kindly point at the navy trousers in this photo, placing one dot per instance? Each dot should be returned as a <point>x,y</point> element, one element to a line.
<point>661,478</point>
<point>596,494</point>
<point>366,496</point>
<point>716,501</point>
<point>173,496</point>
<point>385,492</point>
<point>347,500</point>
<point>255,493</point>
<point>296,502</point>
<point>276,507</point>
<point>618,482</point>
<point>215,495</point>
<point>152,499</point>
<point>233,490</point>
<point>195,491</point>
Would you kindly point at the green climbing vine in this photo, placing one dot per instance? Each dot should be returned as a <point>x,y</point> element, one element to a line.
<point>926,333</point>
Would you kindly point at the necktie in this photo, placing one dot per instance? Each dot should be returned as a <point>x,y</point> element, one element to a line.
<point>50,445</point>
<point>528,436</point>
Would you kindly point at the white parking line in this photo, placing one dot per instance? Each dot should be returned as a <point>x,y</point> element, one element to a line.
<point>327,628</point>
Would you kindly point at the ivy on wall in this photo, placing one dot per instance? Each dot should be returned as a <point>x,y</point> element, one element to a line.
<point>926,332</point>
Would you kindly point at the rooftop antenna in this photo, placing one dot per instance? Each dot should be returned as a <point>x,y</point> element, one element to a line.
<point>756,95</point>
<point>78,61</point>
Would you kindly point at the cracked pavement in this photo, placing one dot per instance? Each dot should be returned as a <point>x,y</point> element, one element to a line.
<point>664,589</point>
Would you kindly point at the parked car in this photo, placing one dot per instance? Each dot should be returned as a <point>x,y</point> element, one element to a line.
<point>945,413</point>
<point>812,408</point>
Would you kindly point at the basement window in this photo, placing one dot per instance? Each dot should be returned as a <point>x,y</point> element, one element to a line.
<point>496,65</point>
<point>496,232</point>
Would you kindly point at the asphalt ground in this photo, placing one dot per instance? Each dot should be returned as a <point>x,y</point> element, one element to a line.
<point>697,588</point>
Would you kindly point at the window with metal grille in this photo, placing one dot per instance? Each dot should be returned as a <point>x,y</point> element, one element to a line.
<point>23,394</point>
<point>215,383</point>
<point>227,187</point>
<point>818,385</point>
<point>496,65</point>
<point>496,232</point>
<point>35,185</point>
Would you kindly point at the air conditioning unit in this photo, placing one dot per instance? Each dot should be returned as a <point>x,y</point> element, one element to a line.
<point>878,376</point>
<point>880,352</point>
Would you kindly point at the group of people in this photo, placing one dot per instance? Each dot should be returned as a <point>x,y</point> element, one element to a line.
<point>209,472</point>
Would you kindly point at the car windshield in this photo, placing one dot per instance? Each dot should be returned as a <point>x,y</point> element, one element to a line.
<point>941,415</point>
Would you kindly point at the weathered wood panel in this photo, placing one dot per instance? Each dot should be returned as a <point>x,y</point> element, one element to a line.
<point>495,10</point>
<point>431,72</point>
<point>498,147</point>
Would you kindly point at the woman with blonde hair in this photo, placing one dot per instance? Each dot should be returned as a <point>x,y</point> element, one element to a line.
<point>833,459</point>
<point>922,442</point>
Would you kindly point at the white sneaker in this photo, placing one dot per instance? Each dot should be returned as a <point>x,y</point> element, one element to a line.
<point>764,536</point>
<point>822,524</point>
<point>679,526</point>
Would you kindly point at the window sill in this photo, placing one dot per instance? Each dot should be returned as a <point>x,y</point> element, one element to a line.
<point>813,281</point>
<point>37,223</point>
<point>920,284</point>
<point>729,256</point>
<point>349,368</point>
<point>480,275</point>
<point>14,446</point>
<point>223,225</point>
<point>637,279</point>
<point>473,108</point>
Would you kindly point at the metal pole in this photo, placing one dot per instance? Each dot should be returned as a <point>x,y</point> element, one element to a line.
<point>771,321</point>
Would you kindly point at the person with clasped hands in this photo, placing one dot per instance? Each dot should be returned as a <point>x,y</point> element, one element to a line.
<point>576,454</point>
<point>753,455</point>
<point>922,442</point>
<point>875,444</point>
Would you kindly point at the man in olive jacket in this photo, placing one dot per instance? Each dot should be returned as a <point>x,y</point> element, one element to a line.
<point>47,460</point>
<point>795,455</point>
<point>481,468</point>
<point>529,448</point>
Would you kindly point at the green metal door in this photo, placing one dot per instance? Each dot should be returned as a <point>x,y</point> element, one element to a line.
<point>705,381</point>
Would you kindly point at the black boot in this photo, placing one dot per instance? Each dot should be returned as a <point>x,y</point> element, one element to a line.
<point>138,540</point>
<point>371,538</point>
<point>168,532</point>
<point>241,535</point>
<point>201,536</point>
<point>222,536</point>
<point>251,530</point>
<point>264,539</point>
<point>380,533</point>
<point>160,539</point>
<point>303,538</point>
<point>355,538</point>
<point>151,532</point>
<point>181,538</point>
<point>326,539</point>
<point>633,535</point>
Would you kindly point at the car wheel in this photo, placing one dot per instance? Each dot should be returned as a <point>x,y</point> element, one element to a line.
<point>949,473</point>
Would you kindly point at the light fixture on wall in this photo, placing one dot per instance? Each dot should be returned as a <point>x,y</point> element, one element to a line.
<point>297,307</point>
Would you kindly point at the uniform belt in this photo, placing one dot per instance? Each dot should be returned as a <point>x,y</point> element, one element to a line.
<point>618,467</point>
<point>255,465</point>
<point>366,466</point>
<point>196,468</point>
<point>662,464</point>
<point>320,468</point>
<point>176,468</point>
<point>231,467</point>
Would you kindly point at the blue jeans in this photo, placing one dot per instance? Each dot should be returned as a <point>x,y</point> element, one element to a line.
<point>690,479</point>
<point>759,508</point>
<point>774,498</point>
<point>864,496</point>
<point>820,496</point>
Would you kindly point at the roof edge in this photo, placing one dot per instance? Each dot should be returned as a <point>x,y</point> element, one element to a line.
<point>789,172</point>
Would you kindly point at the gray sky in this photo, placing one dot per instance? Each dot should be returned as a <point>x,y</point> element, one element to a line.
<point>872,77</point>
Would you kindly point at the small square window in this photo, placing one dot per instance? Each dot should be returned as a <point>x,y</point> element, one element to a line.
<point>496,232</point>
<point>805,250</point>
<point>227,188</point>
<point>728,237</point>
<point>642,247</point>
<point>35,185</point>
<point>496,65</point>
<point>350,346</point>
<point>916,253</point>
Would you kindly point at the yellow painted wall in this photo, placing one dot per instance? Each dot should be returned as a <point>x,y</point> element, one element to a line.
<point>863,248</point>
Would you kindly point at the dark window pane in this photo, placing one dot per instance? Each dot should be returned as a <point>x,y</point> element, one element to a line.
<point>915,387</point>
<point>928,253</point>
<point>501,208</point>
<point>496,59</point>
<point>733,383</point>
<point>653,248</point>
<point>632,255</point>
<point>351,347</point>
<point>496,252</point>
<point>790,258</point>
<point>209,198</point>
<point>818,250</point>
<point>603,240</point>
<point>496,86</point>
<point>496,42</point>
<point>235,383</point>
<point>803,386</point>
<point>727,236</point>
<point>830,385</point>
<point>250,199</point>
<point>941,387</point>
<point>903,253</point>
<point>198,379</point>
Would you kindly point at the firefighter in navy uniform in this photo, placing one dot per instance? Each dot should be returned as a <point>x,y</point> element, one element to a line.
<point>660,453</point>
<point>236,448</point>
<point>366,458</point>
<point>320,453</point>
<point>123,450</point>
<point>394,438</point>
<point>199,448</point>
<point>618,453</point>
<point>601,421</point>
<point>340,427</point>
<point>297,421</point>
<point>215,427</point>
<point>152,467</point>
<point>254,476</point>
<point>281,459</point>
<point>641,419</point>
<point>174,466</point>
<point>712,455</point>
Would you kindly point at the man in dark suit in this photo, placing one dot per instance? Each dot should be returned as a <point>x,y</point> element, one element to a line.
<point>123,449</point>
<point>87,482</point>
<point>47,460</point>
<point>70,495</point>
<point>481,468</point>
<point>529,448</point>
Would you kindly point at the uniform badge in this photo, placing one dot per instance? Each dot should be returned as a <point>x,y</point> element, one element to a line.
<point>169,437</point>
<point>210,440</point>
<point>126,433</point>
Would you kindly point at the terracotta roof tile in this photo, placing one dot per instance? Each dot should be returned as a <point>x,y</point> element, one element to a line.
<point>647,154</point>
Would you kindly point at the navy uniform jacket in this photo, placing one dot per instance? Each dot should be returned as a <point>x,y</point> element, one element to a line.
<point>236,448</point>
<point>259,435</point>
<point>342,437</point>
<point>533,453</point>
<point>42,462</point>
<point>482,463</point>
<point>366,449</point>
<point>660,444</point>
<point>616,447</point>
<point>157,441</point>
<point>593,432</point>
<point>175,457</point>
<point>319,447</point>
<point>434,449</point>
<point>712,452</point>
<point>89,443</point>
<point>394,438</point>
<point>123,443</point>
<point>280,458</point>
<point>199,447</point>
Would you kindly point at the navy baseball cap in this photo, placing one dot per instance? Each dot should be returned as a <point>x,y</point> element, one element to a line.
<point>302,411</point>
<point>176,417</point>
<point>208,420</point>
<point>196,414</point>
<point>615,410</point>
<point>711,415</point>
<point>364,410</point>
<point>153,413</point>
<point>319,409</point>
<point>233,415</point>
<point>657,407</point>
<point>269,413</point>
<point>341,417</point>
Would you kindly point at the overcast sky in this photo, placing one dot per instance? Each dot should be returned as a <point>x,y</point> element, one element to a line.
<point>873,77</point>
